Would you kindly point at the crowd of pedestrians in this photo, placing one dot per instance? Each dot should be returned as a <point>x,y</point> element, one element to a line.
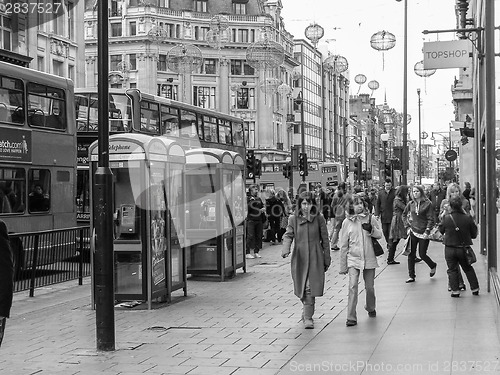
<point>311,224</point>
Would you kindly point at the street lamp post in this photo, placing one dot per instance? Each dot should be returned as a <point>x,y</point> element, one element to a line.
<point>419,141</point>
<point>404,151</point>
<point>300,101</point>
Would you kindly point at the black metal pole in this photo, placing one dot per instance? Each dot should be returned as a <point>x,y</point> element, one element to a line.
<point>489,134</point>
<point>103,210</point>
<point>419,141</point>
<point>404,151</point>
<point>302,131</point>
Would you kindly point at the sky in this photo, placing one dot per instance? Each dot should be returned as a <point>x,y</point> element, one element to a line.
<point>349,26</point>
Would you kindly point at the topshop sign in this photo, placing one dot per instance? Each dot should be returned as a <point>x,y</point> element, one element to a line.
<point>450,54</point>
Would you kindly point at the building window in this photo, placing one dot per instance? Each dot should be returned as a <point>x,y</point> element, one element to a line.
<point>242,98</point>
<point>58,68</point>
<point>71,20</point>
<point>164,3</point>
<point>240,67</point>
<point>40,63</point>
<point>71,72</point>
<point>6,33</point>
<point>58,18</point>
<point>114,61</point>
<point>162,63</point>
<point>239,8</point>
<point>242,34</point>
<point>249,133</point>
<point>209,66</point>
<point>132,59</point>
<point>204,96</point>
<point>200,5</point>
<point>133,28</point>
<point>167,91</point>
<point>116,29</point>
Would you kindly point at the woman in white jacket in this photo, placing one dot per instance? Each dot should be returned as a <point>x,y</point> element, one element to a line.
<point>356,255</point>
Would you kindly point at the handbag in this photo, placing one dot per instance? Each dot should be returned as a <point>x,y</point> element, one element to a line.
<point>435,234</point>
<point>377,247</point>
<point>406,246</point>
<point>470,255</point>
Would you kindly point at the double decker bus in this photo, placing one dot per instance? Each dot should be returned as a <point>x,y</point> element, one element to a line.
<point>37,151</point>
<point>326,173</point>
<point>133,111</point>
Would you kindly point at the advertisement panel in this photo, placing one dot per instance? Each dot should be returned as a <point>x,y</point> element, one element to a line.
<point>15,145</point>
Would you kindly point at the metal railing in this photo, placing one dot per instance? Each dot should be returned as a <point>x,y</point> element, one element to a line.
<point>50,257</point>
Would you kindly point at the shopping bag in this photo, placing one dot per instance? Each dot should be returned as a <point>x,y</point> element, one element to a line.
<point>435,234</point>
<point>470,255</point>
<point>377,247</point>
<point>406,246</point>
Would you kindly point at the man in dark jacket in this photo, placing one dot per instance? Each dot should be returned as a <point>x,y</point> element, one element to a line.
<point>436,196</point>
<point>274,210</point>
<point>383,207</point>
<point>256,210</point>
<point>6,278</point>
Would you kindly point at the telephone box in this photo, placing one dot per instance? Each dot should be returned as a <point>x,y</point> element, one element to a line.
<point>215,212</point>
<point>149,230</point>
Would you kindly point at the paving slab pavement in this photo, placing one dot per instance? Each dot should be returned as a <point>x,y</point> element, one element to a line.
<point>251,325</point>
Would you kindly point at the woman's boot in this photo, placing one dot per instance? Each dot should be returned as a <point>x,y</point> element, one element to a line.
<point>308,312</point>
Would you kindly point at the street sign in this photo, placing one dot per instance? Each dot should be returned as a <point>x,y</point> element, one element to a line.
<point>447,54</point>
<point>450,155</point>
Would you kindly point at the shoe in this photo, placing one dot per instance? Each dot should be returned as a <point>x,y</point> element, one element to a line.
<point>335,248</point>
<point>417,260</point>
<point>455,295</point>
<point>273,243</point>
<point>462,287</point>
<point>257,255</point>
<point>308,324</point>
<point>449,289</point>
<point>350,323</point>
<point>250,256</point>
<point>372,314</point>
<point>475,292</point>
<point>433,271</point>
<point>393,262</point>
<point>410,280</point>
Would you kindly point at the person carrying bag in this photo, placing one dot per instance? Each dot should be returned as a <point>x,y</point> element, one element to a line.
<point>310,256</point>
<point>459,229</point>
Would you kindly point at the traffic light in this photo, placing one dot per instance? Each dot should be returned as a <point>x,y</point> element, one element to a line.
<point>303,170</point>
<point>387,170</point>
<point>287,170</point>
<point>258,167</point>
<point>355,167</point>
<point>250,163</point>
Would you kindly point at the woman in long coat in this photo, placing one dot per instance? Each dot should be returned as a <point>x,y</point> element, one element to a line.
<point>6,278</point>
<point>398,230</point>
<point>311,253</point>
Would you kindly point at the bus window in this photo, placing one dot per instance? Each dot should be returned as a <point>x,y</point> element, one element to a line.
<point>170,121</point>
<point>12,190</point>
<point>238,138</point>
<point>39,197</point>
<point>225,132</point>
<point>210,128</point>
<point>189,127</point>
<point>150,118</point>
<point>11,100</point>
<point>46,106</point>
<point>120,114</point>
